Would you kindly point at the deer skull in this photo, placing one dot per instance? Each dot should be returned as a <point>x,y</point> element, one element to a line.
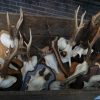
<point>66,45</point>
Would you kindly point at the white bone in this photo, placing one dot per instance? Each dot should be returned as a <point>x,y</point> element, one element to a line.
<point>29,65</point>
<point>7,82</point>
<point>81,25</point>
<point>46,71</point>
<point>51,62</point>
<point>13,67</point>
<point>67,58</point>
<point>6,40</point>
<point>20,19</point>
<point>64,45</point>
<point>79,51</point>
<point>37,82</point>
<point>92,81</point>
<point>80,69</point>
<point>8,21</point>
<point>55,85</point>
<point>20,58</point>
<point>30,42</point>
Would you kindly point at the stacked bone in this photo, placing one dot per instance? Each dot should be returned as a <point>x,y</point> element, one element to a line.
<point>11,48</point>
<point>65,63</point>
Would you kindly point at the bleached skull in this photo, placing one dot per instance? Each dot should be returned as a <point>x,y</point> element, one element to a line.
<point>6,40</point>
<point>65,47</point>
<point>38,80</point>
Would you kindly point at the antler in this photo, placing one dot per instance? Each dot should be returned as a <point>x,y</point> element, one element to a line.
<point>96,37</point>
<point>8,21</point>
<point>29,44</point>
<point>9,26</point>
<point>18,25</point>
<point>96,19</point>
<point>21,41</point>
<point>20,20</point>
<point>78,26</point>
<point>4,67</point>
<point>58,57</point>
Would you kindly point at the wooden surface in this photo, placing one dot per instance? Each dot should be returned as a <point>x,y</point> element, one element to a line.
<point>51,95</point>
<point>37,23</point>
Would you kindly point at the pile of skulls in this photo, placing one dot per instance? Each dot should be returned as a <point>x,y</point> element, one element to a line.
<point>65,63</point>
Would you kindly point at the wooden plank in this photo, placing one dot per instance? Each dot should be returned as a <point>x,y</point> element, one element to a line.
<point>51,95</point>
<point>37,23</point>
<point>58,27</point>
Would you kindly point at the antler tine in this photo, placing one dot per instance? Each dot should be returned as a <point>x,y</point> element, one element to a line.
<point>21,39</point>
<point>76,15</point>
<point>30,42</point>
<point>95,17</point>
<point>82,18</point>
<point>20,19</point>
<point>81,25</point>
<point>8,20</point>
<point>91,44</point>
<point>15,50</point>
<point>96,37</point>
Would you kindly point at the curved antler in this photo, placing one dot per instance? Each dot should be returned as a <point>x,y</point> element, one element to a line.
<point>96,37</point>
<point>29,44</point>
<point>78,26</point>
<point>20,20</point>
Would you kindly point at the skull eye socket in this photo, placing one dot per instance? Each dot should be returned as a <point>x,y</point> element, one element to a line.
<point>47,76</point>
<point>63,53</point>
<point>41,73</point>
<point>60,50</point>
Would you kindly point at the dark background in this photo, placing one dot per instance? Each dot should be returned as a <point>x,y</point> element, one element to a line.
<point>58,8</point>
